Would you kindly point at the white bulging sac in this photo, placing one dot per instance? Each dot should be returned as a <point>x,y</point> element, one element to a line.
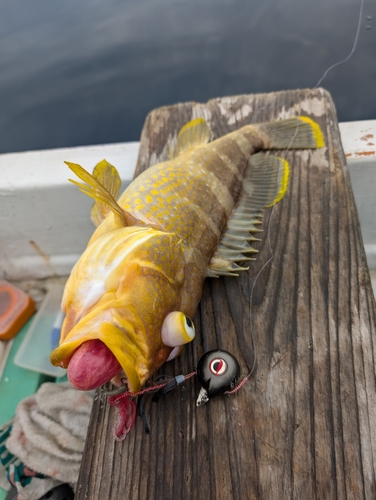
<point>177,329</point>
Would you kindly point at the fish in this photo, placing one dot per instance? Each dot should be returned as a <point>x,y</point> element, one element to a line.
<point>129,300</point>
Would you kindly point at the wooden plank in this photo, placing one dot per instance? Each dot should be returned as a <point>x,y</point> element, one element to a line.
<point>304,426</point>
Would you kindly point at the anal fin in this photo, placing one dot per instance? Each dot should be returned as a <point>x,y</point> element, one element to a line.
<point>264,184</point>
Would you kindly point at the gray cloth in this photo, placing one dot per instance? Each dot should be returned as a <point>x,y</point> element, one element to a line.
<point>49,432</point>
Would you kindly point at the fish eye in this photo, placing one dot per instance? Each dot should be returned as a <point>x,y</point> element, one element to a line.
<point>189,327</point>
<point>177,329</point>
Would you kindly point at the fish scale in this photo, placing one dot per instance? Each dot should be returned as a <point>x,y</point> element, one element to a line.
<point>206,186</point>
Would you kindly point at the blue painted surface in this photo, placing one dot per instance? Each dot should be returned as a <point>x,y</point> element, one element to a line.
<point>17,383</point>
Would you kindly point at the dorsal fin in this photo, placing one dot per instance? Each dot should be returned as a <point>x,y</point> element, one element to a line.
<point>107,175</point>
<point>94,189</point>
<point>194,133</point>
<point>264,184</point>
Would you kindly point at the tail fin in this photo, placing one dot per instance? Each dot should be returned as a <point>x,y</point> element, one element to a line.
<point>294,133</point>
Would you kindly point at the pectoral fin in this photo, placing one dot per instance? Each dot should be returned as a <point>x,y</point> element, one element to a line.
<point>96,190</point>
<point>107,175</point>
<point>264,184</point>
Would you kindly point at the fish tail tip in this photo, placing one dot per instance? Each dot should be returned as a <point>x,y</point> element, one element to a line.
<point>316,131</point>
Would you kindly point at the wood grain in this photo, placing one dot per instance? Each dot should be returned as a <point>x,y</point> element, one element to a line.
<point>304,425</point>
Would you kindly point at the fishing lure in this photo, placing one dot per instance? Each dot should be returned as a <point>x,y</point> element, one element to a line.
<point>131,296</point>
<point>217,372</point>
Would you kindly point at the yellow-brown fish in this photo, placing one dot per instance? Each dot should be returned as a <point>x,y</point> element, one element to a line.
<point>130,297</point>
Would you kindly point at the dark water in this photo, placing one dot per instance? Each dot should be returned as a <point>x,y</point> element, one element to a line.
<point>88,71</point>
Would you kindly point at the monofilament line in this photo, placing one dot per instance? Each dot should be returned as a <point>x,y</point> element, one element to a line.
<point>355,44</point>
<point>271,251</point>
<point>342,61</point>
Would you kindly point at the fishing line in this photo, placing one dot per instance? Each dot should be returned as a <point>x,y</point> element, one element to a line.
<point>355,44</point>
<point>326,72</point>
<point>271,251</point>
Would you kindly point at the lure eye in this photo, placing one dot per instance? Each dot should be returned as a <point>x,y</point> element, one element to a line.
<point>177,329</point>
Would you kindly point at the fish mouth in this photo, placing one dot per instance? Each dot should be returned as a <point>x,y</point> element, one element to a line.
<point>69,355</point>
<point>137,365</point>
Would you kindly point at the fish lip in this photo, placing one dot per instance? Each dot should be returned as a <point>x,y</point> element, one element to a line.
<point>134,362</point>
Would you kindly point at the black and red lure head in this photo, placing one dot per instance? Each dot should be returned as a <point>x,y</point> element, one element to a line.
<point>217,371</point>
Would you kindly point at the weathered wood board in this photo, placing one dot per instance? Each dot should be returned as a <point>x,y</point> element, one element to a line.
<point>304,425</point>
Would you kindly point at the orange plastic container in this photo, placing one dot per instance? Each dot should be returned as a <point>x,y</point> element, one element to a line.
<point>16,307</point>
